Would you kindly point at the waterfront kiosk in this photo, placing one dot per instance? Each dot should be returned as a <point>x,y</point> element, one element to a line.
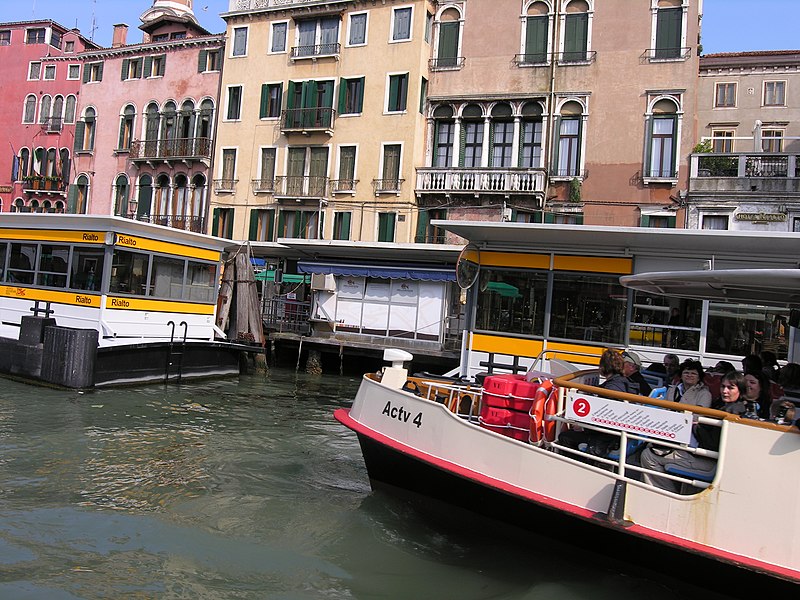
<point>556,288</point>
<point>94,300</point>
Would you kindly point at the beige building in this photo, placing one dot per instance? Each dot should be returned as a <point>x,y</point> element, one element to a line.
<point>321,121</point>
<point>567,111</point>
<point>749,119</point>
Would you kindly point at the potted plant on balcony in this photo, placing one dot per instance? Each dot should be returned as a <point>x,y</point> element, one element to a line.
<point>51,183</point>
<point>574,190</point>
<point>31,182</point>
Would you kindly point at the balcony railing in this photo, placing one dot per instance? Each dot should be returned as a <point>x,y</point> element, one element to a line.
<point>577,56</point>
<point>308,119</point>
<point>343,186</point>
<point>235,5</point>
<point>295,186</point>
<point>481,181</point>
<point>668,53</point>
<point>263,186</point>
<point>561,58</point>
<point>175,148</point>
<point>316,51</point>
<point>387,186</point>
<point>776,166</point>
<point>52,124</point>
<point>32,184</point>
<point>451,63</point>
<point>280,314</point>
<point>184,222</point>
<point>225,186</point>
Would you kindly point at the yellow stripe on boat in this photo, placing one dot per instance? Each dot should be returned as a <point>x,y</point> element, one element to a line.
<point>74,298</point>
<point>139,243</point>
<point>591,264</point>
<point>498,344</point>
<point>126,303</point>
<point>54,235</point>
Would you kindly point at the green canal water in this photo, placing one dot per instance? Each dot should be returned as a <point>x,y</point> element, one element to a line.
<point>242,488</point>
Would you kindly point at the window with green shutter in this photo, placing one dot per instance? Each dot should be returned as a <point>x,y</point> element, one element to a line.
<point>386,226</point>
<point>576,35</point>
<point>669,29</point>
<point>536,31</point>
<point>351,95</point>
<point>271,98</point>
<point>262,225</point>
<point>398,93</point>
<point>341,226</point>
<point>447,49</point>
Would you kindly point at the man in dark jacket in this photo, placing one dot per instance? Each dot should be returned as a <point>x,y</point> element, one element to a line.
<point>630,368</point>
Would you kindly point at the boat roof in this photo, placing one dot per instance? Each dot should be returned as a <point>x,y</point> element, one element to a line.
<point>103,223</point>
<point>774,287</point>
<point>773,248</point>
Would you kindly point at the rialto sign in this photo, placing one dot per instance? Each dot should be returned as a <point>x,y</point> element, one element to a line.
<point>761,217</point>
<point>633,418</point>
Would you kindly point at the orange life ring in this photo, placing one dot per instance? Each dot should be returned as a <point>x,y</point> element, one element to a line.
<point>537,410</point>
<point>550,408</point>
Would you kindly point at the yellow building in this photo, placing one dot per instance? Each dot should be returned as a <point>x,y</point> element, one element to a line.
<point>321,119</point>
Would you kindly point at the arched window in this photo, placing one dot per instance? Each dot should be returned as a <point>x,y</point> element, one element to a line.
<point>59,207</point>
<point>443,136</point>
<point>69,109</point>
<point>34,206</point>
<point>79,195</point>
<point>575,42</point>
<point>569,128</point>
<point>151,130</point>
<point>121,195</point>
<point>126,127</point>
<point>180,196</point>
<point>64,164</point>
<point>536,34</point>
<point>197,204</point>
<point>530,147</point>
<point>168,129</point>
<point>185,133</point>
<point>44,109</point>
<point>38,161</point>
<point>162,194</point>
<point>50,165</point>
<point>57,114</point>
<point>448,44</point>
<point>84,131</point>
<point>29,115</point>
<point>662,133</point>
<point>472,132</point>
<point>502,139</point>
<point>18,206</point>
<point>669,30</point>
<point>204,121</point>
<point>47,206</point>
<point>145,198</point>
<point>24,162</point>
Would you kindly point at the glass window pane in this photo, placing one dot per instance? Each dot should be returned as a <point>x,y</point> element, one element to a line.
<point>201,282</point>
<point>87,268</point>
<point>21,263</point>
<point>512,301</point>
<point>3,253</point>
<point>129,273</point>
<point>743,330</point>
<point>167,278</point>
<point>664,322</point>
<point>588,307</point>
<point>53,266</point>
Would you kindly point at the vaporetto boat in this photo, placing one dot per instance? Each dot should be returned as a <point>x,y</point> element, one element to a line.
<point>492,446</point>
<point>131,302</point>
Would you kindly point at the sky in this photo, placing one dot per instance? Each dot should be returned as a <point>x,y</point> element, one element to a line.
<point>728,25</point>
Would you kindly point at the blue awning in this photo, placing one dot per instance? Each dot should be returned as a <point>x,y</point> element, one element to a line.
<point>379,271</point>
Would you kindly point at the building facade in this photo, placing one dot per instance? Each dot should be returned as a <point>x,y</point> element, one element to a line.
<point>549,110</point>
<point>40,70</point>
<point>144,137</point>
<point>321,120</point>
<point>745,175</point>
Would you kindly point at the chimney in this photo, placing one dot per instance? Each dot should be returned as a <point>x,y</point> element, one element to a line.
<point>120,35</point>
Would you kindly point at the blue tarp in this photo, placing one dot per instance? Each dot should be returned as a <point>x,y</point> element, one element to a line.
<point>379,271</point>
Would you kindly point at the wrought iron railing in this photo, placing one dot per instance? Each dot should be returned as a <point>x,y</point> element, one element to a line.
<point>225,185</point>
<point>343,186</point>
<point>737,164</point>
<point>387,186</point>
<point>668,53</point>
<point>296,186</point>
<point>562,58</point>
<point>263,186</point>
<point>499,181</point>
<point>316,51</point>
<point>446,63</point>
<point>166,148</point>
<point>185,222</point>
<point>52,124</point>
<point>303,119</point>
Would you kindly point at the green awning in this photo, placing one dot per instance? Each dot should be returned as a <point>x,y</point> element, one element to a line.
<point>287,277</point>
<point>504,289</point>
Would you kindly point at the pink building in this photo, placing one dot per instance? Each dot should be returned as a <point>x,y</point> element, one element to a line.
<point>146,114</point>
<point>40,70</point>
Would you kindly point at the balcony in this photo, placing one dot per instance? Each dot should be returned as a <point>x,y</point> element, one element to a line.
<point>172,149</point>
<point>758,172</point>
<point>183,222</point>
<point>242,5</point>
<point>36,184</point>
<point>308,120</point>
<point>541,59</point>
<point>317,51</point>
<point>450,63</point>
<point>52,125</point>
<point>667,54</point>
<point>297,187</point>
<point>481,181</point>
<point>387,186</point>
<point>225,186</point>
<point>343,186</point>
<point>263,186</point>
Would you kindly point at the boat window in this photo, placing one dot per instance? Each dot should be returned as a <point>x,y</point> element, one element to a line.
<point>664,322</point>
<point>21,263</point>
<point>742,330</point>
<point>512,301</point>
<point>87,268</point>
<point>3,254</point>
<point>167,278</point>
<point>129,272</point>
<point>53,266</point>
<point>201,282</point>
<point>590,308</point>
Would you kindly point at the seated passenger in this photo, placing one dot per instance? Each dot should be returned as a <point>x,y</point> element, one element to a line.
<point>630,369</point>
<point>655,458</point>
<point>770,365</point>
<point>758,396</point>
<point>690,389</point>
<point>672,366</point>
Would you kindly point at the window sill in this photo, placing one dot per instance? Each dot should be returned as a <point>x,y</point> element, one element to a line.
<point>84,152</point>
<point>668,60</point>
<point>567,177</point>
<point>346,115</point>
<point>400,41</point>
<point>660,180</point>
<point>395,112</point>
